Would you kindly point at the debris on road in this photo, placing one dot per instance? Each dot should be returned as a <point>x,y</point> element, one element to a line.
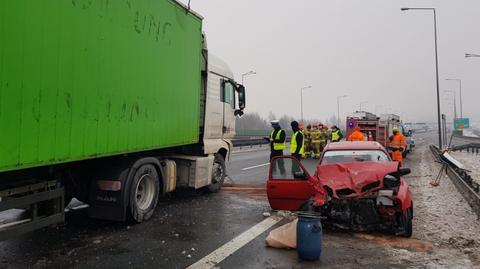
<point>284,236</point>
<point>397,242</point>
<point>266,214</point>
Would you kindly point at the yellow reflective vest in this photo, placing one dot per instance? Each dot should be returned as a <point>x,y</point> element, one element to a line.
<point>293,143</point>
<point>336,135</point>
<point>276,145</point>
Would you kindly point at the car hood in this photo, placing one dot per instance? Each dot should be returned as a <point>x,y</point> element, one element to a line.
<point>353,179</point>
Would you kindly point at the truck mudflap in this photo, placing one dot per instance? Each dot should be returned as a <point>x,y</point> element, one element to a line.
<point>42,204</point>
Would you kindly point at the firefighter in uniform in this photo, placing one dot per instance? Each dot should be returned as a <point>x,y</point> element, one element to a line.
<point>398,145</point>
<point>323,136</point>
<point>316,141</point>
<point>308,141</point>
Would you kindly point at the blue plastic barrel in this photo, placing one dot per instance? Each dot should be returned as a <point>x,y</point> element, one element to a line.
<point>309,238</point>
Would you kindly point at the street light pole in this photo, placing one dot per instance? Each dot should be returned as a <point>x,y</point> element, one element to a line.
<point>461,99</point>
<point>454,103</point>
<point>436,71</point>
<point>251,72</point>
<point>338,109</point>
<point>301,99</point>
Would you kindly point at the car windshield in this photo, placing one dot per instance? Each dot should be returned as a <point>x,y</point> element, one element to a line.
<point>348,156</point>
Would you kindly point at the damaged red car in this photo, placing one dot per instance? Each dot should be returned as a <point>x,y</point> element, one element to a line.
<point>356,186</point>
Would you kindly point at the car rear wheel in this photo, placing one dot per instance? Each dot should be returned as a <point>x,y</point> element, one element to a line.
<point>406,223</point>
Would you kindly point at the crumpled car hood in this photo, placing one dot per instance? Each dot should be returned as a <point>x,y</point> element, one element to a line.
<point>348,179</point>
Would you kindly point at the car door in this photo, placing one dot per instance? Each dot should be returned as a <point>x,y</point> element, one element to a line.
<point>287,186</point>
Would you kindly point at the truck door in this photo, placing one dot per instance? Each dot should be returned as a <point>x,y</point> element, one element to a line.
<point>228,99</point>
<point>287,186</point>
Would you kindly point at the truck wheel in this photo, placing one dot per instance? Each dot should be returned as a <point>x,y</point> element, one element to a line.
<point>144,193</point>
<point>218,173</point>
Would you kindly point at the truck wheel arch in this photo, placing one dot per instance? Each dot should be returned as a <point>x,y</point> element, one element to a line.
<point>224,152</point>
<point>124,172</point>
<point>148,160</point>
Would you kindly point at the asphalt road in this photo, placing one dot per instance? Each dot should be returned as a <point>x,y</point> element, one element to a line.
<point>186,227</point>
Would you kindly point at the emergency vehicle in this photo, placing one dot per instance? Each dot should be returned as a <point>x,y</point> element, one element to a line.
<point>386,124</point>
<point>368,123</point>
<point>375,128</point>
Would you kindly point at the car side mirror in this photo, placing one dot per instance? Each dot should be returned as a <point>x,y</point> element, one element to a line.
<point>299,175</point>
<point>241,96</point>
<point>403,171</point>
<point>238,113</point>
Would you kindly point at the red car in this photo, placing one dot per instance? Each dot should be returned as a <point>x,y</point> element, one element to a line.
<point>356,186</point>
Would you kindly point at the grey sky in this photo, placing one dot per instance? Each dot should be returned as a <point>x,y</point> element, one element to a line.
<point>366,49</point>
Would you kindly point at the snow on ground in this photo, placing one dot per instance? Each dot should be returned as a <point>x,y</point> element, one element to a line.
<point>471,161</point>
<point>469,132</point>
<point>441,217</point>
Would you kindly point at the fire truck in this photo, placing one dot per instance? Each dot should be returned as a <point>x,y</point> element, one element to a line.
<point>368,123</point>
<point>375,128</point>
<point>386,124</point>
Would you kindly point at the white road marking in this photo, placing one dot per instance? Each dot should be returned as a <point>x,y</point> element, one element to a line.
<point>255,166</point>
<point>217,256</point>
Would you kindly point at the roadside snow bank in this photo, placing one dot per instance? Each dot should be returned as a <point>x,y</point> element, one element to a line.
<point>471,162</point>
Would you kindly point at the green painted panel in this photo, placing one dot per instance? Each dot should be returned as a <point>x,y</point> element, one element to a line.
<point>86,78</point>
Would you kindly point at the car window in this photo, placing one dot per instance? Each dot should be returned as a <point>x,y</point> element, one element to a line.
<point>287,169</point>
<point>346,156</point>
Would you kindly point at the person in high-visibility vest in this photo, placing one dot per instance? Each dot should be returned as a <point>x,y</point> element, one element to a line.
<point>297,141</point>
<point>398,145</point>
<point>277,145</point>
<point>357,135</point>
<point>277,140</point>
<point>336,135</point>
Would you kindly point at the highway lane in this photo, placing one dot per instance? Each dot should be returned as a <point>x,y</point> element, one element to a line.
<point>251,167</point>
<point>185,228</point>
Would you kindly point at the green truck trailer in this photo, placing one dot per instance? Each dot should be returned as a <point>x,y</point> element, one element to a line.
<point>111,102</point>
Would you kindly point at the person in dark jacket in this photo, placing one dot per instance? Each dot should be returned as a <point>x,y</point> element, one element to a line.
<point>277,140</point>
<point>277,145</point>
<point>336,135</point>
<point>297,142</point>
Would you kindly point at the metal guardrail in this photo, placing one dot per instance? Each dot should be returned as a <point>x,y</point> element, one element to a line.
<point>464,183</point>
<point>461,139</point>
<point>251,141</point>
<point>242,142</point>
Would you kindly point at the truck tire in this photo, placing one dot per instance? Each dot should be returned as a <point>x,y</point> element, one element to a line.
<point>218,173</point>
<point>144,192</point>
